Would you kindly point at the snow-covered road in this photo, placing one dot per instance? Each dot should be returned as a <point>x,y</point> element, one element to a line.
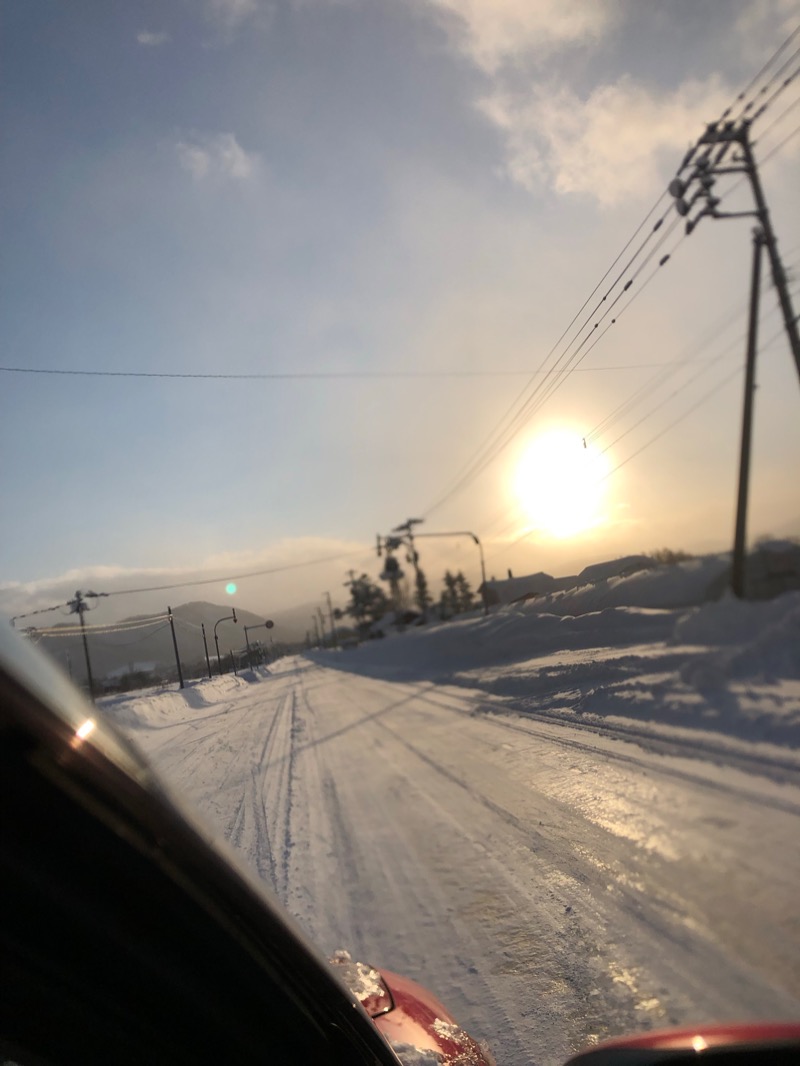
<point>552,885</point>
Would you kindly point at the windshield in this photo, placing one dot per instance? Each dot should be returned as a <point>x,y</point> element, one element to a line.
<point>400,444</point>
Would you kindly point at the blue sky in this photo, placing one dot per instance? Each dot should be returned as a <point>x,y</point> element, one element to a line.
<point>430,187</point>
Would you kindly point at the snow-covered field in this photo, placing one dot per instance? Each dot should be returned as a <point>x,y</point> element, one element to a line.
<point>568,825</point>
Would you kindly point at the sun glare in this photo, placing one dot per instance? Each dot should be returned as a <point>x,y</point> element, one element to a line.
<point>560,483</point>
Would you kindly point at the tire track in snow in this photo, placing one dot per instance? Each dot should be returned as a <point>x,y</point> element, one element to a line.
<point>695,748</point>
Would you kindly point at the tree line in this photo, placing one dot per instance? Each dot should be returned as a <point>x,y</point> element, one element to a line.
<point>369,602</point>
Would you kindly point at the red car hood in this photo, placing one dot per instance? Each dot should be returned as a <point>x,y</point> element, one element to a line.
<point>419,1028</point>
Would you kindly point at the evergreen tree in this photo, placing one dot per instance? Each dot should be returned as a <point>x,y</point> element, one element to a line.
<point>457,595</point>
<point>465,598</point>
<point>368,601</point>
<point>422,597</point>
<point>449,597</point>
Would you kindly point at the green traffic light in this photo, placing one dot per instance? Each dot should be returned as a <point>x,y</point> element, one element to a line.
<point>230,588</point>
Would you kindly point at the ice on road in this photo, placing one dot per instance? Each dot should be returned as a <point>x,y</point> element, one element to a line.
<point>553,885</point>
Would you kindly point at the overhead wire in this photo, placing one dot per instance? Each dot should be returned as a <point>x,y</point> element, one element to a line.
<point>780,144</point>
<point>130,643</point>
<point>546,388</point>
<point>651,387</point>
<point>776,121</point>
<point>498,429</point>
<point>781,88</point>
<point>712,391</point>
<point>681,388</point>
<point>664,372</point>
<point>350,375</point>
<point>507,429</point>
<point>109,627</point>
<point>760,74</point>
<point>241,577</point>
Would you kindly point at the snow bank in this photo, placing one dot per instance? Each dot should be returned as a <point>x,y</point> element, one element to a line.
<point>156,707</point>
<point>675,585</point>
<point>731,667</point>
<point>753,640</point>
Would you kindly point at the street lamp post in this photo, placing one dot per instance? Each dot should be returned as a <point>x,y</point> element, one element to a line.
<point>227,618</point>
<point>460,533</point>
<point>259,625</point>
<point>476,540</point>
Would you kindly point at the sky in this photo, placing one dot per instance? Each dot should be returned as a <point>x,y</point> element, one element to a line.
<point>395,208</point>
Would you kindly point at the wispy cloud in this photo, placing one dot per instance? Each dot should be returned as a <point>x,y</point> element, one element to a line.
<point>493,32</point>
<point>607,146</point>
<point>231,14</point>
<point>289,564</point>
<point>217,155</point>
<point>755,27</point>
<point>152,40</point>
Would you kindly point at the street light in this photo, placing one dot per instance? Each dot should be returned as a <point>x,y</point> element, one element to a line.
<point>266,625</point>
<point>455,533</point>
<point>227,618</point>
<point>476,539</point>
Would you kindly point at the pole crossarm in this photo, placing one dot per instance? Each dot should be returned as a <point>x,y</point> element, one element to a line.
<point>705,173</point>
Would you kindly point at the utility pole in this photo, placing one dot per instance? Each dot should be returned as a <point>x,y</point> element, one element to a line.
<point>79,606</point>
<point>334,640</point>
<point>705,173</point>
<point>738,567</point>
<point>175,646</point>
<point>205,648</point>
<point>407,532</point>
<point>703,177</point>
<point>769,239</point>
<point>322,624</point>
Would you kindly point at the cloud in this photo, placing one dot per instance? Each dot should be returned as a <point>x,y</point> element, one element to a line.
<point>493,32</point>
<point>611,146</point>
<point>231,13</point>
<point>760,24</point>
<point>152,40</point>
<point>218,155</point>
<point>296,566</point>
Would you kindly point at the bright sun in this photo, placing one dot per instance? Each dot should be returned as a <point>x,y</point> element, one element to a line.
<point>560,483</point>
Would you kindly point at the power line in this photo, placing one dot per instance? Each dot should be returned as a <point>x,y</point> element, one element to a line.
<point>546,389</point>
<point>655,383</point>
<point>671,425</point>
<point>776,121</point>
<point>490,441</point>
<point>682,387</point>
<point>510,424</point>
<point>130,643</point>
<point>666,429</point>
<point>300,376</point>
<point>781,88</point>
<point>107,627</point>
<point>662,432</point>
<point>756,77</point>
<point>241,577</point>
<point>780,145</point>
